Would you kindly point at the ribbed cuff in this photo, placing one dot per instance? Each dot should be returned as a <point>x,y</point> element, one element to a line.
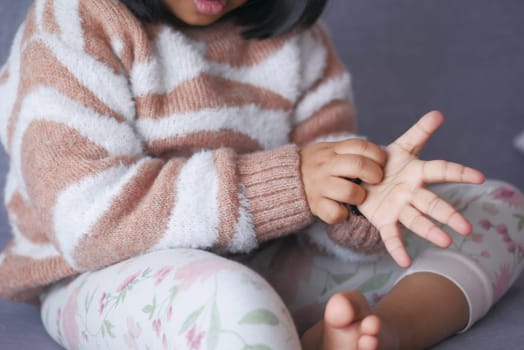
<point>462,271</point>
<point>273,185</point>
<point>317,236</point>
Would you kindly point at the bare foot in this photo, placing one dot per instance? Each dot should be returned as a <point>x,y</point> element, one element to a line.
<point>407,317</point>
<point>349,324</point>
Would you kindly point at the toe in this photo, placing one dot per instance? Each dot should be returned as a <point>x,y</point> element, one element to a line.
<point>370,325</point>
<point>368,342</point>
<point>345,308</point>
<point>339,311</point>
<point>342,323</point>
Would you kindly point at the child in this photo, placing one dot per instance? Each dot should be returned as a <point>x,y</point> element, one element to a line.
<point>147,137</point>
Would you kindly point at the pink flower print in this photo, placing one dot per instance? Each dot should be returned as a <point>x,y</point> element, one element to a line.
<point>485,254</point>
<point>127,281</point>
<point>161,274</point>
<point>193,339</point>
<point>157,326</point>
<point>507,239</point>
<point>130,342</point>
<point>202,270</point>
<point>485,224</point>
<point>502,229</point>
<point>512,247</point>
<point>490,208</point>
<point>502,281</point>
<point>510,196</point>
<point>133,327</point>
<point>169,313</point>
<point>477,237</point>
<point>375,298</point>
<point>133,332</point>
<point>164,341</point>
<point>69,323</point>
<point>101,303</point>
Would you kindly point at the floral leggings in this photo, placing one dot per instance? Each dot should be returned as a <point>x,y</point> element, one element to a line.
<point>192,299</point>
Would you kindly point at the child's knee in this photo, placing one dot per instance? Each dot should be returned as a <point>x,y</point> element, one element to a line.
<point>227,304</point>
<point>177,298</point>
<point>497,241</point>
<point>501,211</point>
<point>504,193</point>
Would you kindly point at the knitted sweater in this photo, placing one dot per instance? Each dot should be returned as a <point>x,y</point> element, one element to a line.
<point>125,137</point>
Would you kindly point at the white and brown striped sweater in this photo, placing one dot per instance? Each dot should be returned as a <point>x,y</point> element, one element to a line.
<point>125,138</point>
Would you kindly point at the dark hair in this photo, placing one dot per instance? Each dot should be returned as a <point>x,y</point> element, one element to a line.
<point>263,18</point>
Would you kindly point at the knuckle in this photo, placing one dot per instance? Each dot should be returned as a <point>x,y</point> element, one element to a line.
<point>393,244</point>
<point>331,165</point>
<point>362,145</point>
<point>447,168</point>
<point>358,163</point>
<point>450,215</point>
<point>433,204</point>
<point>411,225</point>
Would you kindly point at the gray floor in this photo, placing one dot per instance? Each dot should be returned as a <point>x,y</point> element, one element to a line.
<point>465,58</point>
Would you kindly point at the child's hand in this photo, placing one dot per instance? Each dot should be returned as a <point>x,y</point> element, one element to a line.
<point>402,198</point>
<point>326,168</point>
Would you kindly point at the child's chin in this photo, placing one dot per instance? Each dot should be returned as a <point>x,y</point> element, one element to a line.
<point>200,20</point>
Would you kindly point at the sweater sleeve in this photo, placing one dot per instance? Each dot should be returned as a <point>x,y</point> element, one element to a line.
<point>83,181</point>
<point>326,113</point>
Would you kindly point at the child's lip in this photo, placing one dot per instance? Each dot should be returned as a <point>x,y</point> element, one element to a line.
<point>210,7</point>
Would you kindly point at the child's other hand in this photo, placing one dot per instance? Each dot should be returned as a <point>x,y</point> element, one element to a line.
<point>402,198</point>
<point>326,169</point>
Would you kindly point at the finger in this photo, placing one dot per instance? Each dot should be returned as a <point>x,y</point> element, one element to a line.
<point>443,171</point>
<point>392,239</point>
<point>363,148</point>
<point>356,166</point>
<point>420,225</point>
<point>344,191</point>
<point>330,211</point>
<point>437,208</point>
<point>414,139</point>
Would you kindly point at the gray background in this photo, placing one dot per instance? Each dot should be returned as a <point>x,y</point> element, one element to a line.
<point>463,57</point>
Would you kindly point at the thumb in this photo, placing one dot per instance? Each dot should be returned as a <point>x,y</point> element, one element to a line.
<point>416,137</point>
